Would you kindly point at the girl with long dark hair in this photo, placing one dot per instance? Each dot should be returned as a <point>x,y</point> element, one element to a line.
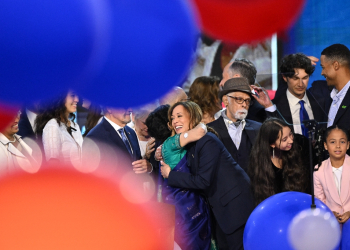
<point>61,136</point>
<point>275,163</point>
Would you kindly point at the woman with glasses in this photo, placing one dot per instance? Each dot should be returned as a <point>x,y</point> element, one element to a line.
<point>204,91</point>
<point>61,136</point>
<point>14,152</point>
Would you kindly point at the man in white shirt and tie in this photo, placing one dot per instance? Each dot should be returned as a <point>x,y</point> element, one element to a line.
<point>335,63</point>
<point>297,104</point>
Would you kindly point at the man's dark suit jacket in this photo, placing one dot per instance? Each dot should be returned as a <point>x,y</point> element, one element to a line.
<point>113,144</point>
<point>25,129</point>
<point>251,129</point>
<point>317,106</point>
<point>216,174</point>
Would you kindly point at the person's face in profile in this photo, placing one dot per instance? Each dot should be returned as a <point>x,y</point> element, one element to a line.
<point>71,102</point>
<point>12,128</point>
<point>180,119</point>
<point>328,70</point>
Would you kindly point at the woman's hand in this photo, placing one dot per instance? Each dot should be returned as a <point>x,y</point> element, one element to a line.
<point>199,131</point>
<point>164,169</point>
<point>149,148</point>
<point>344,217</point>
<point>158,155</point>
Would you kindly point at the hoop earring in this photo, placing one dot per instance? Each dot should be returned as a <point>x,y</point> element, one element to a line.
<point>273,152</point>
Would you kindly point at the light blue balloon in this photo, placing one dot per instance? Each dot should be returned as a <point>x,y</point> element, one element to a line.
<point>268,224</point>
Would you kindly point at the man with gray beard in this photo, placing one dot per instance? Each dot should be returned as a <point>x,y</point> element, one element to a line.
<point>236,133</point>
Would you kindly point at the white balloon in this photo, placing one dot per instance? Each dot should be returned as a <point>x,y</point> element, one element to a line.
<point>314,229</point>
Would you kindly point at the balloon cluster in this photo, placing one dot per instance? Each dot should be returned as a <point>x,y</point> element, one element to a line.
<point>286,221</point>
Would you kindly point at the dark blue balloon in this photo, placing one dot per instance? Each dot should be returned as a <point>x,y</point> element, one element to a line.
<point>151,48</point>
<point>47,46</point>
<point>267,226</point>
<point>345,236</point>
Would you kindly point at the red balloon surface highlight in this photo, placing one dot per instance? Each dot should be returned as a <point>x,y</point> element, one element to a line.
<point>65,209</point>
<point>246,21</point>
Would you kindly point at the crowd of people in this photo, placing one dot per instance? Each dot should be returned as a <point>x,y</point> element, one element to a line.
<point>214,164</point>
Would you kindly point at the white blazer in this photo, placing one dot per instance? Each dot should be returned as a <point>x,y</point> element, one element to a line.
<point>12,158</point>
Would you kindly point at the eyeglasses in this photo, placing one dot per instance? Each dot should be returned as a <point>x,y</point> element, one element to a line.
<point>240,100</point>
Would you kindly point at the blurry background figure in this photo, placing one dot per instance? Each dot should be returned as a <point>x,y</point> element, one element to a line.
<point>26,122</point>
<point>61,136</point>
<point>93,118</point>
<point>205,92</point>
<point>175,95</point>
<point>141,129</point>
<point>14,152</point>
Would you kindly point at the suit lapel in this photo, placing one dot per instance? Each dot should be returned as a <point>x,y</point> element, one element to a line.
<point>134,143</point>
<point>344,188</point>
<point>329,177</point>
<point>282,105</point>
<point>316,108</point>
<point>225,136</point>
<point>114,137</point>
<point>344,106</point>
<point>250,132</point>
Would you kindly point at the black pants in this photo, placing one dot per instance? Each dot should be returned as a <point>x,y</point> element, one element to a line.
<point>232,241</point>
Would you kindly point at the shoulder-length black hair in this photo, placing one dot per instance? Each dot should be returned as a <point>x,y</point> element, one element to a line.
<point>260,169</point>
<point>56,109</point>
<point>157,123</point>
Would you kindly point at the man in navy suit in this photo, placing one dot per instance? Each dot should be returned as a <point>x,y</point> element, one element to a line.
<point>335,63</point>
<point>115,138</point>
<point>215,174</point>
<point>296,103</point>
<point>235,131</point>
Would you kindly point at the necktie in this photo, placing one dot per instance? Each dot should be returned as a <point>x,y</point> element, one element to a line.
<point>303,117</point>
<point>125,140</point>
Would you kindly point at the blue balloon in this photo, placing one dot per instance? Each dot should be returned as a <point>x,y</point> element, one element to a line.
<point>268,224</point>
<point>152,45</point>
<point>48,46</point>
<point>345,237</point>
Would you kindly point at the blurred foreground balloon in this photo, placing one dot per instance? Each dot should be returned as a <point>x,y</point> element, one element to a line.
<point>7,115</point>
<point>152,44</point>
<point>246,21</point>
<point>267,226</point>
<point>47,46</point>
<point>61,208</point>
<point>314,229</point>
<point>345,238</point>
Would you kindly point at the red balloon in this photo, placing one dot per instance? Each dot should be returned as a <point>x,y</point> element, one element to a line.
<point>64,209</point>
<point>244,21</point>
<point>7,114</point>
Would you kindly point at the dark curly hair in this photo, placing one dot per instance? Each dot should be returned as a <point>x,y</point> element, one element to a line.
<point>157,123</point>
<point>260,169</point>
<point>205,91</point>
<point>339,53</point>
<point>53,109</point>
<point>296,61</point>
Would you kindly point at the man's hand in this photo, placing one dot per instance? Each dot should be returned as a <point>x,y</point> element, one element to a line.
<point>262,98</point>
<point>164,169</point>
<point>158,154</point>
<point>149,148</point>
<point>142,166</point>
<point>344,217</point>
<point>313,59</point>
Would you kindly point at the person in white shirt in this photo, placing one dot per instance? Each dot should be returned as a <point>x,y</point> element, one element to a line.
<point>15,154</point>
<point>61,136</point>
<point>142,131</point>
<point>335,63</point>
<point>297,104</point>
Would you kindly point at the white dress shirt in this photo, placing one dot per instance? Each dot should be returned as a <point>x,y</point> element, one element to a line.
<point>234,132</point>
<point>337,172</point>
<point>31,117</point>
<point>294,106</point>
<point>337,97</point>
<point>117,127</point>
<point>59,144</point>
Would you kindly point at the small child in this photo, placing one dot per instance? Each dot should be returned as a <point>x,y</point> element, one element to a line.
<point>332,180</point>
